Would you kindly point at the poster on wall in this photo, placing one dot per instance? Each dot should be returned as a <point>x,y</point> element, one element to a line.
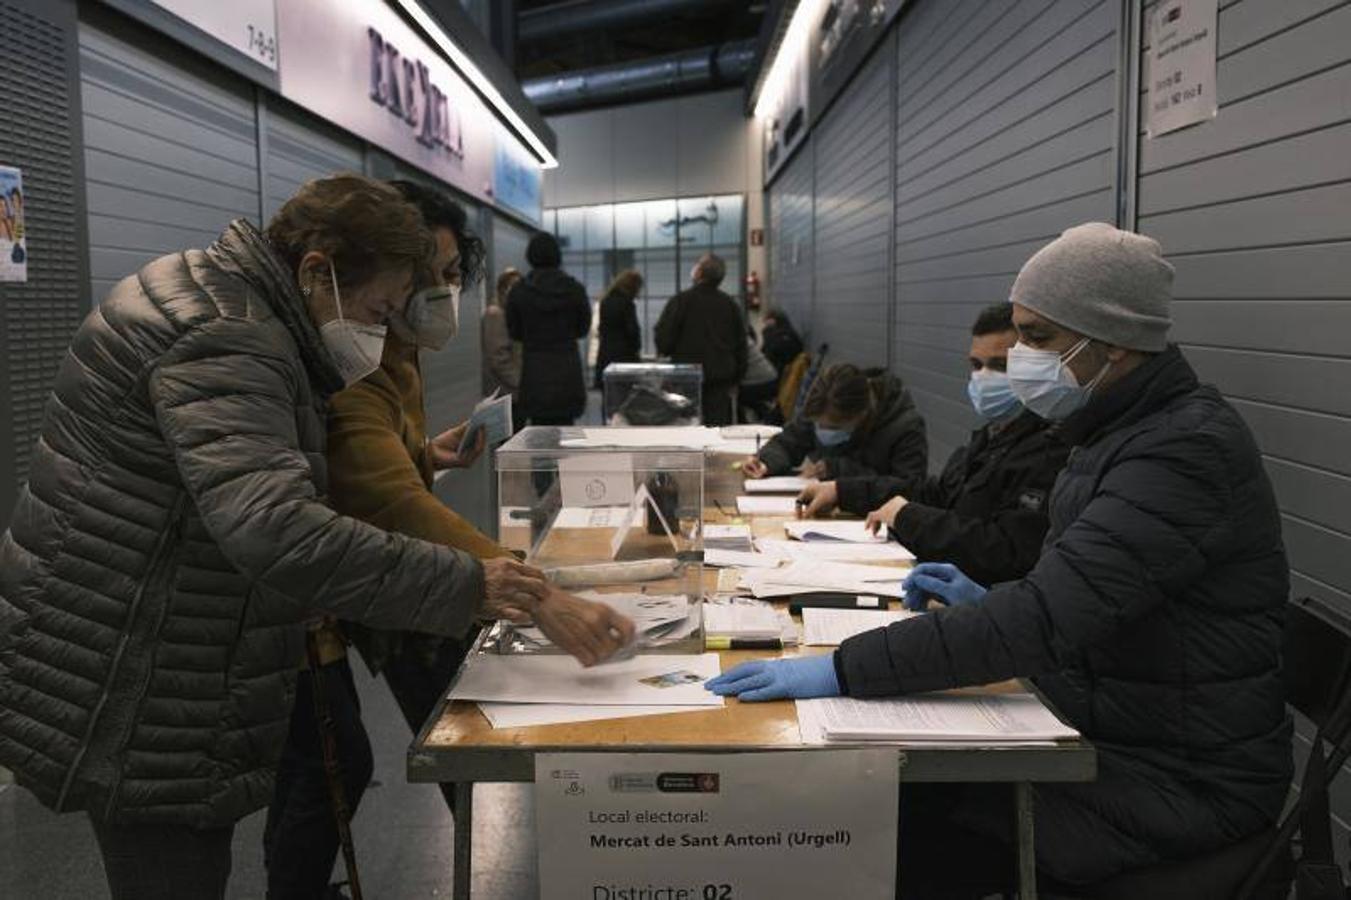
<point>13,237</point>
<point>1181,65</point>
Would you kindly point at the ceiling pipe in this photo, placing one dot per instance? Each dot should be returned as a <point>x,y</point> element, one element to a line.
<point>659,76</point>
<point>577,16</point>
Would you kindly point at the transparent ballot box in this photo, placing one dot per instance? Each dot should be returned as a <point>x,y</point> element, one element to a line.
<point>652,393</point>
<point>621,526</point>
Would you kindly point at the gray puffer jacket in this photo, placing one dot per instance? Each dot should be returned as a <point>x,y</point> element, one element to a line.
<point>173,539</point>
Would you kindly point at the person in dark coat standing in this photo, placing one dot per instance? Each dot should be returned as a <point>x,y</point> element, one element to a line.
<point>548,313</point>
<point>621,337</point>
<point>1152,621</point>
<point>705,326</point>
<point>779,341</point>
<point>854,423</point>
<point>986,512</point>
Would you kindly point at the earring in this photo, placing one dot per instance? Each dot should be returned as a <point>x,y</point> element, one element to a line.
<point>307,290</point>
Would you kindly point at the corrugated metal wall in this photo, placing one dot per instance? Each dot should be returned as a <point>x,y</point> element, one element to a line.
<point>791,249</point>
<point>1005,137</point>
<point>170,154</point>
<point>1254,210</point>
<point>41,138</point>
<point>853,215</point>
<point>300,147</point>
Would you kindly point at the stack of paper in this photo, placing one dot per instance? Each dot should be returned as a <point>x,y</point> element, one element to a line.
<point>832,627</point>
<point>728,537</point>
<point>766,506</point>
<point>747,621</point>
<point>805,577</point>
<point>843,551</point>
<point>849,530</point>
<point>739,560</point>
<point>514,691</point>
<point>492,416</point>
<point>752,431</point>
<point>944,719</point>
<point>779,484</point>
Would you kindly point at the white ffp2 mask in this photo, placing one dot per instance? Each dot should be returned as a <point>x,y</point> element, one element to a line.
<point>356,348</point>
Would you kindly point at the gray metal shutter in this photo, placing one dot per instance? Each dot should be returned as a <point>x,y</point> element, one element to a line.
<point>1005,138</point>
<point>509,243</point>
<point>40,315</point>
<point>1254,210</point>
<point>171,153</point>
<point>791,233</point>
<point>853,216</point>
<point>299,148</point>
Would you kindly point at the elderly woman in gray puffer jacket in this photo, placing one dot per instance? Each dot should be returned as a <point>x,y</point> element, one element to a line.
<point>174,538</point>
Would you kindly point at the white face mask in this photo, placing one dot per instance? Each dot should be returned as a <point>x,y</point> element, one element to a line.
<point>432,316</point>
<point>356,348</point>
<point>1043,381</point>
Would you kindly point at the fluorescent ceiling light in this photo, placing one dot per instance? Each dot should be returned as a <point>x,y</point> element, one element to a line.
<point>792,48</point>
<point>479,80</point>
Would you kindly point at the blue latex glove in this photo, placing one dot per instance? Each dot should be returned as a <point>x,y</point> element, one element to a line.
<point>774,679</point>
<point>942,581</point>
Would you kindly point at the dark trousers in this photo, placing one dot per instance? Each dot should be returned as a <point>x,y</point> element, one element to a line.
<point>717,403</point>
<point>165,862</point>
<point>300,840</point>
<point>940,857</point>
<point>418,681</point>
<point>757,399</point>
<point>559,421</point>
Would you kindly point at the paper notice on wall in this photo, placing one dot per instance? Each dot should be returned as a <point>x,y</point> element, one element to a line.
<point>1181,70</point>
<point>13,233</point>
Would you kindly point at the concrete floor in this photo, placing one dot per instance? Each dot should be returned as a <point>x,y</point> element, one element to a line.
<point>403,834</point>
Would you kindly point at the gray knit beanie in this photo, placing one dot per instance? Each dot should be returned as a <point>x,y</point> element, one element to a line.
<point>1102,282</point>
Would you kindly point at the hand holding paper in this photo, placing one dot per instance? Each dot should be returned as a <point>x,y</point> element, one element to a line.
<point>451,449</point>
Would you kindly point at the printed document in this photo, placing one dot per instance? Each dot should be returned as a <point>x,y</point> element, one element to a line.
<point>766,506</point>
<point>851,530</point>
<point>492,415</point>
<point>996,719</point>
<point>780,484</point>
<point>658,679</point>
<point>831,627</point>
<point>843,551</point>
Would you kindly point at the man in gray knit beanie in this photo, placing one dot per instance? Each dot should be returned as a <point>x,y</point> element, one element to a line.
<point>1111,285</point>
<point>1090,307</point>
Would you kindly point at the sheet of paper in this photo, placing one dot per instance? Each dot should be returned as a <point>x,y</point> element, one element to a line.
<point>842,551</point>
<point>851,530</point>
<point>492,415</point>
<point>954,718</point>
<point>810,714</point>
<point>802,577</point>
<point>596,479</point>
<point>739,559</point>
<point>588,517</point>
<point>742,620</point>
<point>659,679</point>
<point>735,447</point>
<point>766,506</point>
<point>779,484</point>
<point>728,534</point>
<point>831,627</point>
<point>524,715</point>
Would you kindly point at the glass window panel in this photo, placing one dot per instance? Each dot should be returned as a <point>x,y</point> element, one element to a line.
<point>571,229</point>
<point>600,227</point>
<point>630,228</point>
<point>728,228</point>
<point>661,222</point>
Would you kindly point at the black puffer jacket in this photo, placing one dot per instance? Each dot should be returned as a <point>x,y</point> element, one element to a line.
<point>1152,621</point>
<point>173,539</point>
<point>621,337</point>
<point>986,513</point>
<point>548,313</point>
<point>891,443</point>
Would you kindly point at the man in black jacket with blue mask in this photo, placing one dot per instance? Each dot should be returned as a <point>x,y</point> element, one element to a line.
<point>986,511</point>
<point>1152,620</point>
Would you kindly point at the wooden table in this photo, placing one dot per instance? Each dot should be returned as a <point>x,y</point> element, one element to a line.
<point>458,745</point>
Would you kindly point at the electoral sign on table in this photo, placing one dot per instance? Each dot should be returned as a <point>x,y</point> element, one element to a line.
<point>613,826</point>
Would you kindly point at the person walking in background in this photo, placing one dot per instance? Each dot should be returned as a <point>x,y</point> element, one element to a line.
<point>705,326</point>
<point>621,338</point>
<point>759,385</point>
<point>548,313</point>
<point>778,339</point>
<point>501,355</point>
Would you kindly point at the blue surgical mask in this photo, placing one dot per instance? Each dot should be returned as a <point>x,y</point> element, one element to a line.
<point>1043,381</point>
<point>991,395</point>
<point>832,437</point>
